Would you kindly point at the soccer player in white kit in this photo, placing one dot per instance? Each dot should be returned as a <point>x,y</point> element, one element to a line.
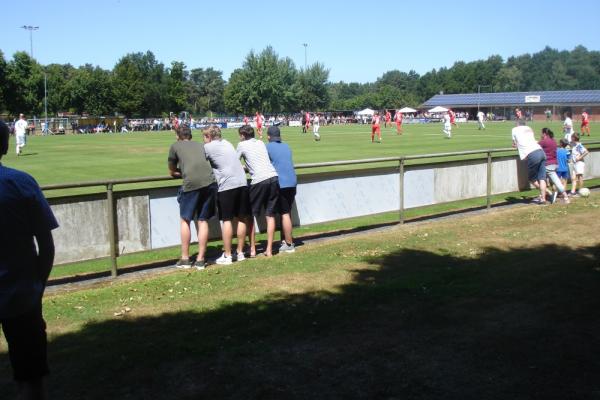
<point>20,129</point>
<point>568,127</point>
<point>480,117</point>
<point>316,127</point>
<point>447,126</point>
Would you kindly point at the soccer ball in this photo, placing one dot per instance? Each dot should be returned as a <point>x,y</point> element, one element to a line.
<point>584,192</point>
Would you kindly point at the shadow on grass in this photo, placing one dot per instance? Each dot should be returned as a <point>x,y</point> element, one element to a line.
<point>518,324</point>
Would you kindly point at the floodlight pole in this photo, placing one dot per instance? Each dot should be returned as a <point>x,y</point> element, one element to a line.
<point>30,29</point>
<point>305,59</point>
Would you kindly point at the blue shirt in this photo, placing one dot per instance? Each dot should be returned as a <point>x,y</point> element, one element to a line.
<point>281,158</point>
<point>24,213</point>
<point>562,157</point>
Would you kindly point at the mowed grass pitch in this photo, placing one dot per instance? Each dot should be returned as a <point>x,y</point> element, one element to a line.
<point>77,158</point>
<point>497,306</point>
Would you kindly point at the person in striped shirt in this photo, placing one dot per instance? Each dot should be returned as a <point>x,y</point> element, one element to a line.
<point>264,184</point>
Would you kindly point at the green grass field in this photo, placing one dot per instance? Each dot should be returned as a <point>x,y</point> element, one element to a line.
<point>76,158</point>
<point>444,310</point>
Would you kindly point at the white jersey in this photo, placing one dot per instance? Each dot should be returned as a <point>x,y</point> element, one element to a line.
<point>257,160</point>
<point>524,139</point>
<point>316,120</point>
<point>20,127</point>
<point>480,115</point>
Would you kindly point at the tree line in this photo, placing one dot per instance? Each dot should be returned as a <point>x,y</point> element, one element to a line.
<point>140,86</point>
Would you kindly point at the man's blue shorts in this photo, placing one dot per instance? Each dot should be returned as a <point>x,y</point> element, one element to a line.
<point>197,204</point>
<point>536,165</point>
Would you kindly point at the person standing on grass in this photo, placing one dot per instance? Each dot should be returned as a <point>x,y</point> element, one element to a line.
<point>375,127</point>
<point>388,118</point>
<point>264,185</point>
<point>548,144</point>
<point>452,115</point>
<point>529,150</point>
<point>281,158</point>
<point>480,118</point>
<point>585,123</point>
<point>306,121</point>
<point>398,118</point>
<point>316,125</point>
<point>447,126</point>
<point>196,196</point>
<point>562,158</point>
<point>578,154</point>
<point>259,120</point>
<point>232,197</point>
<point>26,258</point>
<point>568,126</point>
<point>20,131</point>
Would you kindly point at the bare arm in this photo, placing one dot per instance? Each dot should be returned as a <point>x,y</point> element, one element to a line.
<point>174,171</point>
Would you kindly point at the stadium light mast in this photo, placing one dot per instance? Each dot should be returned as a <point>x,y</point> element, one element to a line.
<point>305,46</point>
<point>30,28</point>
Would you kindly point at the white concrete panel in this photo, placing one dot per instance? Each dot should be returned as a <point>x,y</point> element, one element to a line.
<point>505,176</point>
<point>83,231</point>
<point>164,222</point>
<point>418,188</point>
<point>592,165</point>
<point>133,224</point>
<point>340,198</point>
<point>460,182</point>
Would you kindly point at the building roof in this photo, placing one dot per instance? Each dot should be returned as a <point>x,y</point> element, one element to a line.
<point>565,97</point>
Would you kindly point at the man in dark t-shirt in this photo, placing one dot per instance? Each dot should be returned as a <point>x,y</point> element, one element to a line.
<point>26,258</point>
<point>196,196</point>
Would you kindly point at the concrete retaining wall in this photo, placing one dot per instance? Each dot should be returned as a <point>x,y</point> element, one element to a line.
<point>149,219</point>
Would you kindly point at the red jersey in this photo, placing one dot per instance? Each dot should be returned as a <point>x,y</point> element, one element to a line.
<point>584,117</point>
<point>307,118</point>
<point>245,120</point>
<point>388,116</point>
<point>258,120</point>
<point>452,116</point>
<point>375,120</point>
<point>398,117</point>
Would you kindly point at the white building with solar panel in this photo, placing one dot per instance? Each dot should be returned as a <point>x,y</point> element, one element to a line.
<point>535,105</point>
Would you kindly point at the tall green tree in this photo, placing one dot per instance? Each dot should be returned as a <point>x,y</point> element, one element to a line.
<point>207,90</point>
<point>25,85</point>
<point>3,82</point>
<point>311,88</point>
<point>264,83</point>
<point>138,81</point>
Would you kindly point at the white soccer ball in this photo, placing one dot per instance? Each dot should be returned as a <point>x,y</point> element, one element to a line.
<point>584,192</point>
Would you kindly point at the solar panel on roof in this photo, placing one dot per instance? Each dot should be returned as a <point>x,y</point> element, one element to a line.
<point>515,98</point>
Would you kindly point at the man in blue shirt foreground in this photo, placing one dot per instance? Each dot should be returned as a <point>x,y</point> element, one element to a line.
<point>26,219</point>
<point>281,158</point>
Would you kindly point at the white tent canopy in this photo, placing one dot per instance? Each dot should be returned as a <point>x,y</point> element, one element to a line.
<point>407,110</point>
<point>438,109</point>
<point>366,111</point>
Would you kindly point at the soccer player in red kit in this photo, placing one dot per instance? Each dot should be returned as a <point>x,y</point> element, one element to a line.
<point>388,118</point>
<point>585,123</point>
<point>245,120</point>
<point>398,118</point>
<point>375,128</point>
<point>452,117</point>
<point>259,123</point>
<point>307,121</point>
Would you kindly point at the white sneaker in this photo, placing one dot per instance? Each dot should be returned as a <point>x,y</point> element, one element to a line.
<point>287,248</point>
<point>224,260</point>
<point>241,257</point>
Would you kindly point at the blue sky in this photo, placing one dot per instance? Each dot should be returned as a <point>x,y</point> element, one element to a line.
<point>356,40</point>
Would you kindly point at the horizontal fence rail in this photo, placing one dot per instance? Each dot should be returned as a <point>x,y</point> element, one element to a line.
<point>109,184</point>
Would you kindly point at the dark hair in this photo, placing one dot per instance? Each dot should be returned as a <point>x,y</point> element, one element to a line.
<point>575,137</point>
<point>246,131</point>
<point>564,142</point>
<point>4,132</point>
<point>548,132</point>
<point>184,132</point>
